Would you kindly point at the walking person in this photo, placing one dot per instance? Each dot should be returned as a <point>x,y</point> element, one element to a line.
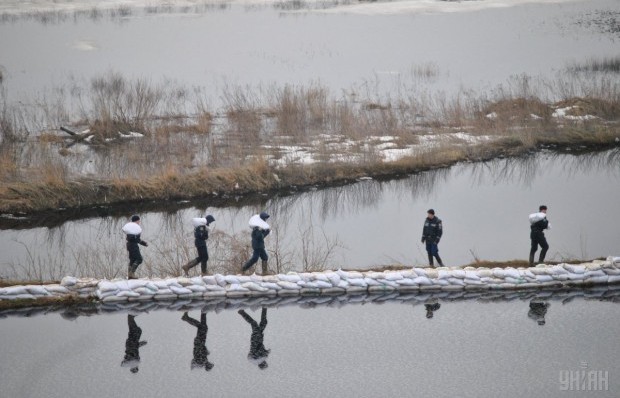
<point>258,353</point>
<point>201,352</point>
<point>133,231</point>
<point>431,234</point>
<point>201,234</point>
<point>538,224</point>
<point>260,229</point>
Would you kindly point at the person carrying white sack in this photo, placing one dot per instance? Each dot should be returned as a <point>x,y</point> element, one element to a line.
<point>538,224</point>
<point>133,230</point>
<point>201,234</point>
<point>260,229</point>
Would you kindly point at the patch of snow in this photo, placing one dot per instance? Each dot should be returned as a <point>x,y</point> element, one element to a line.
<point>131,134</point>
<point>492,116</point>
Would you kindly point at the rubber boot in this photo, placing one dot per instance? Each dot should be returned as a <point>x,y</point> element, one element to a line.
<point>203,270</point>
<point>130,273</point>
<point>265,267</point>
<point>532,259</point>
<point>188,266</point>
<point>430,260</point>
<point>439,261</point>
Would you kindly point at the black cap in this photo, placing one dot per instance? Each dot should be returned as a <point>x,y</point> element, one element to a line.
<point>542,207</point>
<point>431,211</point>
<point>210,219</point>
<point>135,218</point>
<point>264,216</point>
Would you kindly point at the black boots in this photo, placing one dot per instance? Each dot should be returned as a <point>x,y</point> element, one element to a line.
<point>191,264</point>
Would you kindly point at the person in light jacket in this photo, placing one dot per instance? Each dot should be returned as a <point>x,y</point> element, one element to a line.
<point>538,224</point>
<point>259,232</point>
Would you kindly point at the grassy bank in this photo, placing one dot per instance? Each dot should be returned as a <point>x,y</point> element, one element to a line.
<point>132,140</point>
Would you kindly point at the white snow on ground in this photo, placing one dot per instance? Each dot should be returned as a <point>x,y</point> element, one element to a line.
<point>561,113</point>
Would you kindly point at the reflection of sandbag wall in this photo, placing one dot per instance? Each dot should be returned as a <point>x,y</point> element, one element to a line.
<point>599,272</point>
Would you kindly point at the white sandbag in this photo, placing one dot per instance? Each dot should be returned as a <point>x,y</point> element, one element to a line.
<point>575,269</point>
<point>114,299</point>
<point>357,282</point>
<point>440,282</point>
<point>597,279</point>
<point>256,221</point>
<point>105,286</point>
<point>102,295</point>
<point>55,289</point>
<point>14,290</point>
<point>161,284</point>
<point>289,285</point>
<point>273,285</point>
<point>589,274</point>
<point>385,282</point>
<point>142,291</point>
<point>430,273</point>
<point>334,278</point>
<point>135,283</point>
<point>197,280</point>
<point>37,290</point>
<point>293,278</point>
<point>232,280</point>
<point>235,287</point>
<point>256,278</point>
<point>576,277</point>
<point>131,228</point>
<point>68,281</point>
<point>471,275</point>
<point>371,282</point>
<point>198,221</point>
<point>244,278</point>
<point>557,270</point>
<point>254,287</point>
<point>323,284</point>
<point>209,280</point>
<point>197,288</point>
<point>127,293</point>
<point>343,284</point>
<point>535,217</point>
<point>422,280</point>
<point>173,282</point>
<point>349,274</point>
<point>510,279</point>
<point>458,273</point>
<point>214,288</point>
<point>544,278</point>
<point>613,279</point>
<point>320,277</point>
<point>469,281</point>
<point>456,281</point>
<point>220,279</point>
<point>408,281</point>
<point>179,290</point>
<point>309,285</point>
<point>484,272</point>
<point>392,276</point>
<point>443,274</point>
<point>512,273</point>
<point>616,261</point>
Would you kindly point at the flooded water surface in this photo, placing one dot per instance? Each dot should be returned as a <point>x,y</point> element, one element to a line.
<point>468,348</point>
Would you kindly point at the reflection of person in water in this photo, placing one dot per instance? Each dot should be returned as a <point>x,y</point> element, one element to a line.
<point>431,306</point>
<point>132,345</point>
<point>538,310</point>
<point>258,353</point>
<point>200,342</point>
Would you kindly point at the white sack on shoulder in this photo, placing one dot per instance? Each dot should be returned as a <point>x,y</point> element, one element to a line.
<point>198,221</point>
<point>256,221</point>
<point>535,217</point>
<point>131,228</point>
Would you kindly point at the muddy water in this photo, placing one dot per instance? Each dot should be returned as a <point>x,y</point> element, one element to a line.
<point>484,208</point>
<point>383,348</point>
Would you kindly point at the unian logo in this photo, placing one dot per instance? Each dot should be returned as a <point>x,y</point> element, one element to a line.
<point>584,379</point>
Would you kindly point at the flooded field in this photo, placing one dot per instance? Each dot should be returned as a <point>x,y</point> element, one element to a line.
<point>484,345</point>
<point>484,208</point>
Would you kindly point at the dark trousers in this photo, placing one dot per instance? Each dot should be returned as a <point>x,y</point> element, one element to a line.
<point>433,251</point>
<point>258,253</point>
<point>538,238</point>
<point>135,257</point>
<point>203,257</point>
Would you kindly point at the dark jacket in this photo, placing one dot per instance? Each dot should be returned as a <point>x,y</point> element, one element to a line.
<point>258,238</point>
<point>132,245</point>
<point>539,226</point>
<point>201,234</point>
<point>433,229</point>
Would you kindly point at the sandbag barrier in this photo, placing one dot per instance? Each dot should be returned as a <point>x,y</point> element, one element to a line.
<point>218,304</point>
<point>598,272</point>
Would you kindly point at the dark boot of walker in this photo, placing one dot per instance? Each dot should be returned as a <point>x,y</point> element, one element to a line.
<point>532,259</point>
<point>191,264</point>
<point>130,274</point>
<point>430,260</point>
<point>265,267</point>
<point>439,261</point>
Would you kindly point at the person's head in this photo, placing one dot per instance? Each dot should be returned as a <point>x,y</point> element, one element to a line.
<point>263,365</point>
<point>135,218</point>
<point>541,322</point>
<point>264,216</point>
<point>210,219</point>
<point>430,213</point>
<point>134,369</point>
<point>209,366</point>
<point>542,209</point>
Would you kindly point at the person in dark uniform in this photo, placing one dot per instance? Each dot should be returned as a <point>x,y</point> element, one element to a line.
<point>258,353</point>
<point>133,231</point>
<point>201,234</point>
<point>258,247</point>
<point>132,345</point>
<point>538,224</point>
<point>201,352</point>
<point>538,310</point>
<point>431,234</point>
